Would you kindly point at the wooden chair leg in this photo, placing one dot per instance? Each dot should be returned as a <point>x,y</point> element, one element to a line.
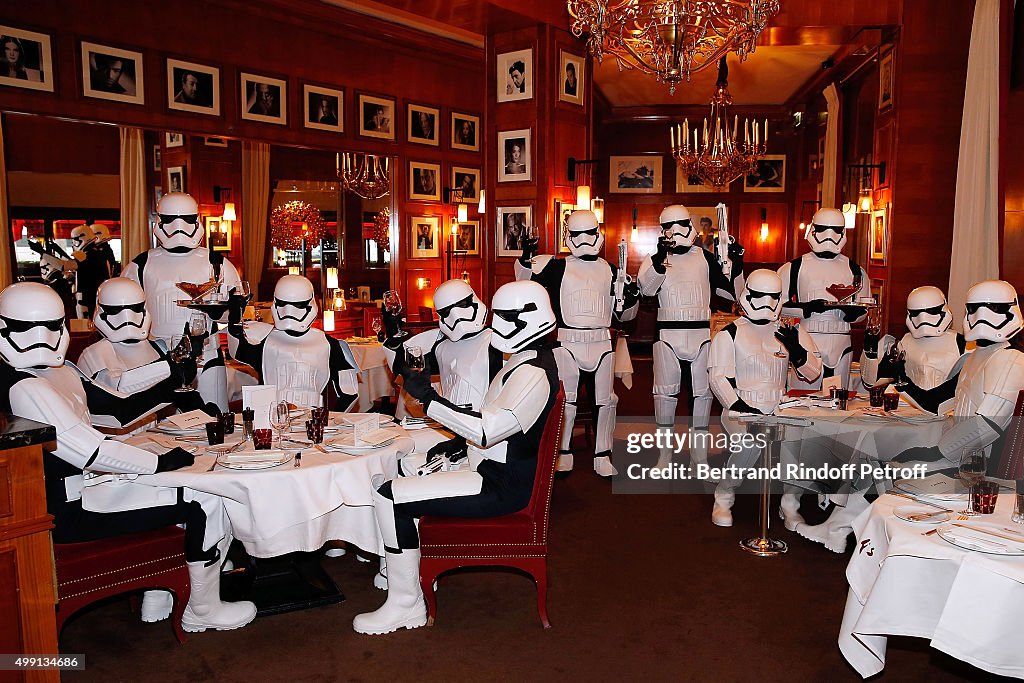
<point>180,600</point>
<point>427,586</point>
<point>540,576</point>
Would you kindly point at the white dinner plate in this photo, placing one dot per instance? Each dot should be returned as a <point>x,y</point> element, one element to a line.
<point>346,444</point>
<point>159,449</point>
<point>980,541</point>
<point>253,461</point>
<point>936,516</point>
<point>177,431</point>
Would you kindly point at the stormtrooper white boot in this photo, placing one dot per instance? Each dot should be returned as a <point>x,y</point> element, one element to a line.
<point>721,513</point>
<point>404,607</point>
<point>565,461</point>
<point>156,605</point>
<point>603,466</point>
<point>832,532</point>
<point>664,458</point>
<point>789,509</point>
<point>205,608</point>
<point>380,579</point>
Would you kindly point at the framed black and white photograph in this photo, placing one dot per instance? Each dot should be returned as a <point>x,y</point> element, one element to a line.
<point>879,235</point>
<point>376,117</point>
<point>769,176</point>
<point>513,227</point>
<point>562,212</point>
<point>465,132</point>
<point>514,162</point>
<point>424,182</point>
<point>158,192</point>
<point>176,179</point>
<point>173,140</point>
<point>193,87</point>
<point>515,76</point>
<point>27,59</point>
<point>264,99</point>
<point>635,175</point>
<point>886,80</point>
<point>423,237</point>
<point>324,108</point>
<point>110,73</point>
<point>215,142</point>
<point>468,181</point>
<point>692,183</point>
<point>157,159</point>
<point>218,234</point>
<point>422,124</point>
<point>705,219</point>
<point>467,237</point>
<point>570,78</point>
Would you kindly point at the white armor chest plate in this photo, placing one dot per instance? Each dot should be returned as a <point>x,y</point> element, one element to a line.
<point>133,356</point>
<point>585,295</point>
<point>163,270</point>
<point>984,373</point>
<point>760,374</point>
<point>299,366</point>
<point>930,359</point>
<point>498,451</point>
<point>815,275</point>
<point>69,384</point>
<point>465,369</point>
<point>686,293</point>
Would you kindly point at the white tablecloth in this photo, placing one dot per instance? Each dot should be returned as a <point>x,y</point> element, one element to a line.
<point>374,375</point>
<point>969,604</point>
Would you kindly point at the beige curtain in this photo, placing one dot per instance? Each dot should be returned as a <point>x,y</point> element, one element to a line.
<point>134,197</point>
<point>976,208</point>
<point>831,168</point>
<point>6,245</point>
<point>255,202</point>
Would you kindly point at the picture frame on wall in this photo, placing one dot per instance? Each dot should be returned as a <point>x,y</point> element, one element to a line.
<point>561,216</point>
<point>376,117</point>
<point>692,183</point>
<point>705,220</point>
<point>513,226</point>
<point>570,77</point>
<point>157,159</point>
<point>467,237</point>
<point>424,237</point>
<point>158,192</point>
<point>424,181</point>
<point>768,176</point>
<point>176,181</point>
<point>886,80</point>
<point>465,132</point>
<point>33,67</point>
<point>324,108</point>
<point>218,234</point>
<point>110,73</point>
<point>514,162</point>
<point>879,235</point>
<point>468,181</point>
<point>264,99</point>
<point>422,124</point>
<point>193,87</point>
<point>173,140</point>
<point>515,75</point>
<point>215,142</point>
<point>635,174</point>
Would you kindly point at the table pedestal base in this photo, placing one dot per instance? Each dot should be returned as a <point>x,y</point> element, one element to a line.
<point>280,584</point>
<point>763,547</point>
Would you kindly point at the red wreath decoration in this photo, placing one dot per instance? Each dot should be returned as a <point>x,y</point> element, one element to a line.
<point>382,229</point>
<point>286,223</point>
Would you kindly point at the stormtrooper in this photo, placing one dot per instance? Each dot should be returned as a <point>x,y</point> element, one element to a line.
<point>92,486</point>
<point>683,276</point>
<point>101,244</point>
<point>505,439</point>
<point>986,393</point>
<point>749,365</point>
<point>296,357</point>
<point>58,273</point>
<point>179,258</point>
<point>90,272</point>
<point>581,288</point>
<point>806,281</point>
<point>931,352</point>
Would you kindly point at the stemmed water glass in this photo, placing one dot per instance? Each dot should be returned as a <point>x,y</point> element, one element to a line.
<point>393,305</point>
<point>280,419</point>
<point>180,353</point>
<point>972,470</point>
<point>242,289</point>
<point>376,324</point>
<point>785,323</point>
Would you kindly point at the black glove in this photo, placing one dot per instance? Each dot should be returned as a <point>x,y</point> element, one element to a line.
<point>417,385</point>
<point>814,306</point>
<point>851,313</point>
<point>871,340</point>
<point>174,459</point>
<point>453,449</point>
<point>789,337</point>
<point>236,307</point>
<point>392,322</point>
<point>659,256</point>
<point>630,295</point>
<point>741,406</point>
<point>530,249</point>
<point>736,252</point>
<point>893,364</point>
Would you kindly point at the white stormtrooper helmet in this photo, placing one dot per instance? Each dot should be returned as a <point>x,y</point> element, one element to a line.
<point>522,315</point>
<point>177,228</point>
<point>826,232</point>
<point>677,226</point>
<point>51,268</point>
<point>585,238</point>
<point>100,233</point>
<point>32,332</point>
<point>993,313</point>
<point>121,314</point>
<point>295,308</point>
<point>81,237</point>
<point>460,311</point>
<point>927,312</point>
<point>762,298</point>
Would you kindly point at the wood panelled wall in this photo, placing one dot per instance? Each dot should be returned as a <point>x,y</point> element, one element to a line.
<point>300,41</point>
<point>1012,149</point>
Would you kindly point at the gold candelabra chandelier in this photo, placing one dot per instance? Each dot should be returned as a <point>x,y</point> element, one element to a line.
<point>366,175</point>
<point>716,156</point>
<point>670,39</point>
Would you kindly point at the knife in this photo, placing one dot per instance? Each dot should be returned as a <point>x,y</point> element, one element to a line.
<point>321,448</point>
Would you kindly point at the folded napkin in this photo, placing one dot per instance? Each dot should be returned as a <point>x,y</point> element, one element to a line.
<point>936,486</point>
<point>249,457</point>
<point>982,540</point>
<point>193,419</point>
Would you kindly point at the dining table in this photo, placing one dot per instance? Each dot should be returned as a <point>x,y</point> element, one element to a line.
<point>955,580</point>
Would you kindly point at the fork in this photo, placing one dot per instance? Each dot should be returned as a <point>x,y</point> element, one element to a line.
<point>216,460</point>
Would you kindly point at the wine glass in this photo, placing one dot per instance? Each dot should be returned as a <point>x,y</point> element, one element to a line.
<point>785,323</point>
<point>242,289</point>
<point>376,324</point>
<point>280,419</point>
<point>393,305</point>
<point>972,470</point>
<point>181,351</point>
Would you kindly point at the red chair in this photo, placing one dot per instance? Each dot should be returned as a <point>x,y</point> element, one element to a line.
<point>517,540</point>
<point>426,314</point>
<point>369,313</point>
<point>94,570</point>
<point>1011,460</point>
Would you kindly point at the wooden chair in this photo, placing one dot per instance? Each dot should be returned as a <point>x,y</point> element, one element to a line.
<point>518,540</point>
<point>94,570</point>
<point>426,314</point>
<point>1011,459</point>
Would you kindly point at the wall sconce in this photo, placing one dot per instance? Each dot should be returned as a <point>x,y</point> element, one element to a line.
<point>229,212</point>
<point>850,214</point>
<point>338,303</point>
<point>482,206</point>
<point>422,283</point>
<point>332,278</point>
<point>580,177</point>
<point>864,204</point>
<point>597,206</point>
<point>583,195</point>
<point>634,233</point>
<point>462,213</point>
<point>328,321</point>
<point>764,225</point>
<point>465,276</point>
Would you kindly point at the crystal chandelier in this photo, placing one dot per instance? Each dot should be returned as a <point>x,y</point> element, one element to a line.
<point>367,175</point>
<point>670,39</point>
<point>715,155</point>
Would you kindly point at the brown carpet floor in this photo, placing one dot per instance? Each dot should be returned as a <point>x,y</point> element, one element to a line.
<point>642,587</point>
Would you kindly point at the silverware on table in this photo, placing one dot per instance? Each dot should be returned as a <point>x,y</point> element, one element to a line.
<point>321,448</point>
<point>914,498</point>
